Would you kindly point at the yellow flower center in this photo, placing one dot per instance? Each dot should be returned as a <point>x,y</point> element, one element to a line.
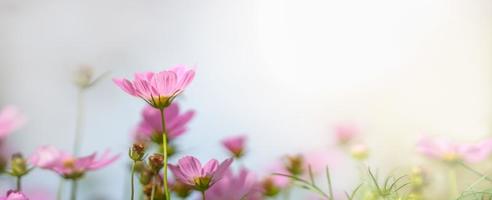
<point>69,163</point>
<point>450,157</point>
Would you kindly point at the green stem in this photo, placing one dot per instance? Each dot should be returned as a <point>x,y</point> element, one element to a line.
<point>60,190</point>
<point>203,195</point>
<point>453,183</point>
<point>133,180</point>
<point>152,194</point>
<point>73,195</point>
<point>79,121</point>
<point>19,186</point>
<point>475,172</point>
<point>164,148</point>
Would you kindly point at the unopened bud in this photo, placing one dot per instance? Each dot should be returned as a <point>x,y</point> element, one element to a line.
<point>182,190</point>
<point>137,152</point>
<point>146,176</point>
<point>18,165</point>
<point>156,162</point>
<point>295,164</point>
<point>359,151</point>
<point>270,189</point>
<point>83,76</point>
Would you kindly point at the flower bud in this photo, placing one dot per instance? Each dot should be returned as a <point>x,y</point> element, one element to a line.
<point>182,190</point>
<point>417,179</point>
<point>146,176</point>
<point>156,162</point>
<point>270,189</point>
<point>18,165</point>
<point>83,76</point>
<point>359,151</point>
<point>295,164</point>
<point>137,152</point>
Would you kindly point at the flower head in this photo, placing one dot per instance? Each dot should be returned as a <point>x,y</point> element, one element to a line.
<point>69,166</point>
<point>345,132</point>
<point>10,120</point>
<point>158,89</point>
<point>235,145</point>
<point>151,124</point>
<point>359,151</point>
<point>448,151</point>
<point>241,186</point>
<point>14,195</point>
<point>190,171</point>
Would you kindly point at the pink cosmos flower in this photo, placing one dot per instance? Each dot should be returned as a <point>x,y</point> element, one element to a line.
<point>241,186</point>
<point>345,132</point>
<point>445,150</point>
<point>189,170</point>
<point>10,120</point>
<point>176,122</point>
<point>66,165</point>
<point>235,145</point>
<point>158,89</point>
<point>14,195</point>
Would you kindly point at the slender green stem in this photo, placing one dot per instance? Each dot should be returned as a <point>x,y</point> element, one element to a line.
<point>19,183</point>
<point>203,195</point>
<point>73,195</point>
<point>152,194</point>
<point>287,190</point>
<point>453,183</point>
<point>475,172</point>
<point>79,121</point>
<point>133,180</point>
<point>164,148</point>
<point>60,189</point>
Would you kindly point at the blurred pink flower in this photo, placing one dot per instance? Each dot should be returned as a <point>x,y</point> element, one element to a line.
<point>235,145</point>
<point>158,89</point>
<point>66,165</point>
<point>445,150</point>
<point>39,194</point>
<point>345,132</point>
<point>10,120</point>
<point>45,157</point>
<point>176,122</point>
<point>189,170</point>
<point>241,186</point>
<point>14,195</point>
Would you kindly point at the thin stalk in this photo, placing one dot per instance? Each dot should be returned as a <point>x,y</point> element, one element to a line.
<point>78,122</point>
<point>203,195</point>
<point>19,183</point>
<point>152,194</point>
<point>475,172</point>
<point>60,190</point>
<point>73,195</point>
<point>133,180</point>
<point>164,148</point>
<point>453,183</point>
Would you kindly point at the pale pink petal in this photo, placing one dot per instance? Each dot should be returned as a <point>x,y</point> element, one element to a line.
<point>209,167</point>
<point>125,85</point>
<point>221,169</point>
<point>190,166</point>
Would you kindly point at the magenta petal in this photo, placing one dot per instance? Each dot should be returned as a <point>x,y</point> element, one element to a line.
<point>179,174</point>
<point>165,83</point>
<point>105,160</point>
<point>221,170</point>
<point>190,166</point>
<point>209,168</point>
